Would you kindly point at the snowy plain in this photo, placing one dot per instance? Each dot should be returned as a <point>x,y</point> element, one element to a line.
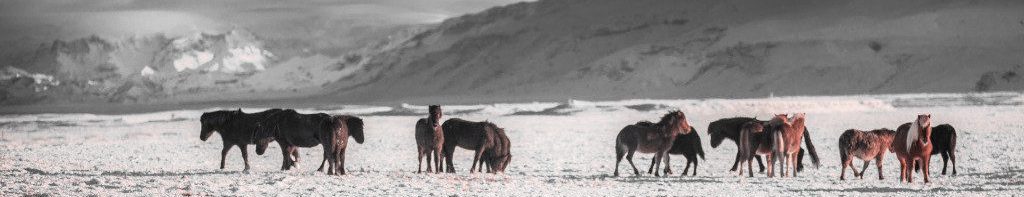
<point>559,149</point>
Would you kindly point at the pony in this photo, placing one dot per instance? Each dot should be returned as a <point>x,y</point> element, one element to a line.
<point>487,140</point>
<point>429,139</point>
<point>656,138</point>
<point>729,128</point>
<point>912,145</point>
<point>785,139</point>
<point>750,138</point>
<point>866,146</point>
<point>343,127</point>
<point>687,145</point>
<point>235,127</point>
<point>943,142</point>
<point>293,130</point>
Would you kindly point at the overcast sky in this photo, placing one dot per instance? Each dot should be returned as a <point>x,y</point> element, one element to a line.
<point>68,19</point>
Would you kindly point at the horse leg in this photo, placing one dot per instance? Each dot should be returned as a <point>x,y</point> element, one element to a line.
<point>903,167</point>
<point>668,165</point>
<point>952,158</point>
<point>795,163</point>
<point>865,168</point>
<point>619,152</point>
<point>800,160</point>
<point>945,161</point>
<point>285,158</point>
<point>910,173</point>
<point>448,152</point>
<point>735,163</point>
<point>224,153</point>
<point>924,166</point>
<point>437,160</point>
<point>695,161</point>
<point>245,156</point>
<point>842,172</point>
<point>419,158</point>
<point>878,162</point>
<point>650,170</point>
<point>750,167</point>
<point>771,165</point>
<point>657,165</point>
<point>476,158</point>
<point>481,166</point>
<point>295,154</point>
<point>629,158</point>
<point>341,161</point>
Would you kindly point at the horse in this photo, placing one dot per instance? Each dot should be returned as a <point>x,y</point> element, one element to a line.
<point>729,128</point>
<point>235,127</point>
<point>912,145</point>
<point>292,130</point>
<point>655,139</point>
<point>344,126</point>
<point>429,139</point>
<point>786,132</point>
<point>751,137</point>
<point>497,159</point>
<point>866,146</point>
<point>943,142</point>
<point>487,140</point>
<point>687,145</point>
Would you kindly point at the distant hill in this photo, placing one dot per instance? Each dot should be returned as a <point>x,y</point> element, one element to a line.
<point>560,49</point>
<point>613,49</point>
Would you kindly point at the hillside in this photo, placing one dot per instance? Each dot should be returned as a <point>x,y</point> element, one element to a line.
<point>609,49</point>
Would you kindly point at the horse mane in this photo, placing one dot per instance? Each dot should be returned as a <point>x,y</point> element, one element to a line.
<point>668,117</point>
<point>355,127</point>
<point>217,118</point>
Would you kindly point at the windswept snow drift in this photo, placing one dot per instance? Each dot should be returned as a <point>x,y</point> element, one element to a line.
<point>558,148</point>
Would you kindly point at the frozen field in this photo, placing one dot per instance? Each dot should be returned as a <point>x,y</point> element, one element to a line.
<point>559,149</point>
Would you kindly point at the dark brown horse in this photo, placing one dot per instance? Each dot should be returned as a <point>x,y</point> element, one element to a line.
<point>645,138</point>
<point>344,126</point>
<point>943,142</point>
<point>430,139</point>
<point>729,128</point>
<point>913,145</point>
<point>751,137</point>
<point>687,145</point>
<point>867,146</point>
<point>236,128</point>
<point>488,141</point>
<point>293,130</point>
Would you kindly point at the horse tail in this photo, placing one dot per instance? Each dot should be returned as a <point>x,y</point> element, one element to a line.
<point>810,149</point>
<point>355,128</point>
<point>696,143</point>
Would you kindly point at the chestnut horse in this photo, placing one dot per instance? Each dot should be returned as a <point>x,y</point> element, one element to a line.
<point>430,139</point>
<point>866,146</point>
<point>791,130</point>
<point>912,145</point>
<point>655,139</point>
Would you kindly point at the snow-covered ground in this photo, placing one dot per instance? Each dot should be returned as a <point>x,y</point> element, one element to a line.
<point>558,149</point>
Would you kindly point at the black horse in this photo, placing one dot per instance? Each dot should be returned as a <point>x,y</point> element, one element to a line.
<point>943,142</point>
<point>729,128</point>
<point>687,145</point>
<point>487,140</point>
<point>236,128</point>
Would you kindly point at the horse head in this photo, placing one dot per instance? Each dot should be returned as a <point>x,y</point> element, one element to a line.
<point>924,129</point>
<point>214,121</point>
<point>435,115</point>
<point>676,120</point>
<point>355,128</point>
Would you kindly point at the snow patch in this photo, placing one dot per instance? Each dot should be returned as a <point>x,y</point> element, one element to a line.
<point>245,55</point>
<point>192,60</point>
<point>147,71</point>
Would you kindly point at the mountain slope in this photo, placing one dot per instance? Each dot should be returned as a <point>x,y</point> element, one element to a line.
<point>610,49</point>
